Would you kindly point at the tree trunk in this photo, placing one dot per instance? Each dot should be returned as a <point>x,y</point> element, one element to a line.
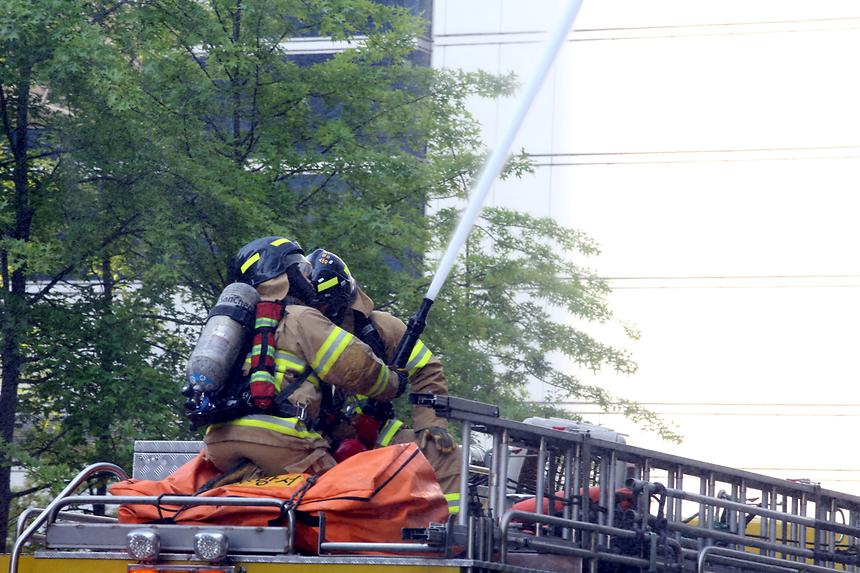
<point>14,310</point>
<point>236,85</point>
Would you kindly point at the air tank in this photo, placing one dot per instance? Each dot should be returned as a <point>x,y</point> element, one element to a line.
<point>223,336</point>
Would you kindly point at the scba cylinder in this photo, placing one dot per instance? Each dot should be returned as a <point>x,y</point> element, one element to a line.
<point>222,338</point>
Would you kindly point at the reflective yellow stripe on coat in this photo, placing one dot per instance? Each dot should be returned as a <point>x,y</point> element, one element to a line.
<point>287,361</point>
<point>381,382</point>
<point>386,434</point>
<point>288,426</point>
<point>453,500</point>
<point>418,359</point>
<point>330,351</point>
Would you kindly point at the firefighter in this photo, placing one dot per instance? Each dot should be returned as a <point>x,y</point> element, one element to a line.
<point>341,300</point>
<point>295,349</point>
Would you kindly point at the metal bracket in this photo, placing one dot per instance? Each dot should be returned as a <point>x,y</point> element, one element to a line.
<point>434,534</point>
<point>445,406</point>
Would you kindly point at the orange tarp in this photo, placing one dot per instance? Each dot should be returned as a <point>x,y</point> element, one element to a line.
<point>369,497</point>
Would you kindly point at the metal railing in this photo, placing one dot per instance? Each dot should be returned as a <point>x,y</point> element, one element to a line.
<point>43,517</point>
<point>594,500</point>
<point>607,491</point>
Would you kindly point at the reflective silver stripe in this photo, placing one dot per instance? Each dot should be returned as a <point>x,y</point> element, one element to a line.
<point>288,426</point>
<point>453,500</point>
<point>289,360</point>
<point>386,434</point>
<point>291,423</point>
<point>263,322</point>
<point>420,356</point>
<point>330,351</point>
<point>270,351</point>
<point>381,381</point>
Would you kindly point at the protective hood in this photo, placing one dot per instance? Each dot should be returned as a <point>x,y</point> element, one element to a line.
<point>362,303</point>
<point>274,289</point>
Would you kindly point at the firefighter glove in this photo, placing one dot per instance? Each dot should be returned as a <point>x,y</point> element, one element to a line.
<point>440,437</point>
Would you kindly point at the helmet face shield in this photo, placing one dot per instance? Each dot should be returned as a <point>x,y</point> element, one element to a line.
<point>273,266</point>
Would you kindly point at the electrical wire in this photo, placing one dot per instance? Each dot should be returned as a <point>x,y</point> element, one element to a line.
<point>676,161</point>
<point>671,26</point>
<point>724,279</point>
<point>722,404</point>
<point>712,405</point>
<point>696,34</point>
<point>683,151</point>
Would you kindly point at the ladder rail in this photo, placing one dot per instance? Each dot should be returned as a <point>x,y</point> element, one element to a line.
<point>591,469</point>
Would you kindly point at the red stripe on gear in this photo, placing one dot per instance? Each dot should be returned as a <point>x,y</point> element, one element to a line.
<point>263,392</point>
<point>273,310</point>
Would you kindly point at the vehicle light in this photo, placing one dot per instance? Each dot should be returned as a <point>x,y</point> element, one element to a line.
<point>210,546</point>
<point>138,568</point>
<point>143,545</point>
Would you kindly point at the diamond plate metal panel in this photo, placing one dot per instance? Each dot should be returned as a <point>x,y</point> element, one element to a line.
<point>157,459</point>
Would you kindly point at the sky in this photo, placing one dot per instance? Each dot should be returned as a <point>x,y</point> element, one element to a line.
<point>712,149</point>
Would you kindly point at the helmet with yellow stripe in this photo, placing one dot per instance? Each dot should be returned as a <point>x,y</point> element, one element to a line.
<point>266,258</point>
<point>334,285</point>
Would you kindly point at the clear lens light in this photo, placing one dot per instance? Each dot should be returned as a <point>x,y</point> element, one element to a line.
<point>210,546</point>
<point>144,545</point>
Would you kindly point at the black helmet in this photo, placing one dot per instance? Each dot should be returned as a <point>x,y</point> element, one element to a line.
<point>335,288</point>
<point>266,258</point>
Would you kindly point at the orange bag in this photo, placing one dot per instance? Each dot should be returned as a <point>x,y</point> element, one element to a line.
<point>371,496</point>
<point>368,497</point>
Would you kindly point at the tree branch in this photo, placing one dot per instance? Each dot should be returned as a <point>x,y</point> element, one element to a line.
<point>119,232</point>
<point>97,18</point>
<point>319,188</point>
<point>29,490</point>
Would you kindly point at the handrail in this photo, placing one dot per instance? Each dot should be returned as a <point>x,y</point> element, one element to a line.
<point>745,508</point>
<point>84,475</point>
<point>382,547</point>
<point>552,520</point>
<point>727,537</point>
<point>79,517</point>
<point>188,500</point>
<point>745,556</point>
<point>23,517</point>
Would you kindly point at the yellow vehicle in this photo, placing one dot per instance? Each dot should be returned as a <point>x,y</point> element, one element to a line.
<point>792,526</point>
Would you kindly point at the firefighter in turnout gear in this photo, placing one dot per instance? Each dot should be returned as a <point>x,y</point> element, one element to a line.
<point>295,350</point>
<point>341,300</point>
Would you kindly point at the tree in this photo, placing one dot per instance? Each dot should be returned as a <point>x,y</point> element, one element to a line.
<point>353,148</point>
<point>178,130</point>
<point>71,338</point>
<point>507,310</point>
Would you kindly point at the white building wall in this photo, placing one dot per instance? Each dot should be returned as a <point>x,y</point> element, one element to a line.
<point>500,37</point>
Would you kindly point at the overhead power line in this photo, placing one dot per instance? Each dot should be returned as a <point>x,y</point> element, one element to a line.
<point>722,409</point>
<point>654,32</point>
<point>691,151</point>
<point>669,26</point>
<point>674,156</point>
<point>757,415</point>
<point>715,277</point>
<point>702,403</point>
<point>726,281</point>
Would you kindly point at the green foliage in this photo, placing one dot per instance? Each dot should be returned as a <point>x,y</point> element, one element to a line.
<point>516,310</point>
<point>171,132</point>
